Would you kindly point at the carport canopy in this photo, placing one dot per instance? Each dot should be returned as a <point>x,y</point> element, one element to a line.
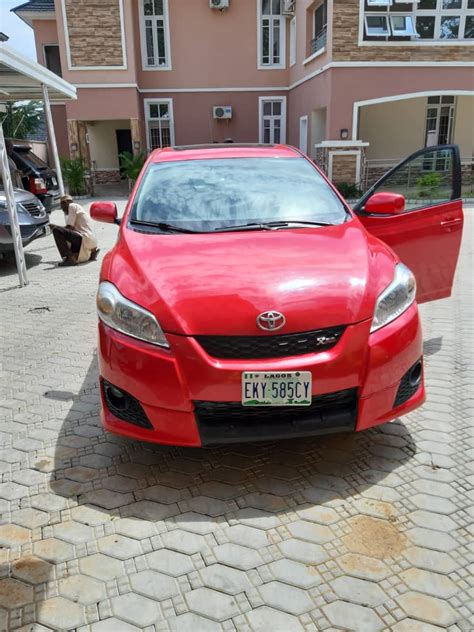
<point>23,79</point>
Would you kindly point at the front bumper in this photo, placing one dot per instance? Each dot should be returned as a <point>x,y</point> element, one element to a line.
<point>355,386</point>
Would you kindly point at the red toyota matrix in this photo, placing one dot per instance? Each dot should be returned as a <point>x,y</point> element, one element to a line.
<point>245,300</point>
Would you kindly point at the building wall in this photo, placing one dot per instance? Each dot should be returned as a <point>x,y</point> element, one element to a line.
<point>46,32</point>
<point>345,38</point>
<point>94,28</point>
<point>393,129</point>
<point>60,129</point>
<point>464,127</point>
<point>103,142</point>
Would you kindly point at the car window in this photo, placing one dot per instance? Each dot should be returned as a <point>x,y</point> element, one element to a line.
<point>212,194</point>
<point>31,158</point>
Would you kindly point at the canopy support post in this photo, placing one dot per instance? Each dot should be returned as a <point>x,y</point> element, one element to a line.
<point>52,139</point>
<point>11,206</point>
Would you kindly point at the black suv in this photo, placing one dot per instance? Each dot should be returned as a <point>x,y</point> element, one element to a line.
<point>35,174</point>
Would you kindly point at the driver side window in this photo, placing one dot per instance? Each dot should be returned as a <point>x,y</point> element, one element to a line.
<point>424,180</point>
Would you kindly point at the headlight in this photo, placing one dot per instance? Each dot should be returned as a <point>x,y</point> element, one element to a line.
<point>395,299</point>
<point>120,314</point>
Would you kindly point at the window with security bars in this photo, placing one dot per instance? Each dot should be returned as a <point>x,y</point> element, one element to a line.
<point>272,33</point>
<point>423,20</point>
<point>439,127</point>
<point>155,33</point>
<point>160,124</point>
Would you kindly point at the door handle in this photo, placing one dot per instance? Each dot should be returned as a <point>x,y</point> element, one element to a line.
<point>451,222</point>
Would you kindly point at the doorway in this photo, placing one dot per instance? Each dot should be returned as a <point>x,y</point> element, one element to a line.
<point>304,134</point>
<point>124,143</point>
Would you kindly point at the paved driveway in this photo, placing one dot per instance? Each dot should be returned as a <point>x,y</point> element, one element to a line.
<point>365,532</point>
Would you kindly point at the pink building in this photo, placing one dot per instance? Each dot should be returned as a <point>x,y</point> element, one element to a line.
<point>357,84</point>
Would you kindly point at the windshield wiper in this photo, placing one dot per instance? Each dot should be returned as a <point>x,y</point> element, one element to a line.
<point>270,225</point>
<point>163,226</point>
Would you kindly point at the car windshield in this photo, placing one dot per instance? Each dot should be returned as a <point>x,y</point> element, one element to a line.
<point>33,159</point>
<point>207,195</point>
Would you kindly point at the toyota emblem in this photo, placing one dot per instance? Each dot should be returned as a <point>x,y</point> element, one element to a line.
<point>271,321</point>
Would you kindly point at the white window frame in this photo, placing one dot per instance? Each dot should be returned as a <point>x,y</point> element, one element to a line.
<point>282,117</point>
<point>147,103</point>
<point>166,25</point>
<point>407,32</point>
<point>293,41</point>
<point>437,107</point>
<point>282,19</point>
<point>438,13</point>
<point>378,15</point>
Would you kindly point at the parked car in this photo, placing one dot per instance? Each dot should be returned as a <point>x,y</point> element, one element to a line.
<point>37,176</point>
<point>245,300</point>
<point>32,217</point>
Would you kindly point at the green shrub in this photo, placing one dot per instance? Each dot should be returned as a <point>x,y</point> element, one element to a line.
<point>131,165</point>
<point>74,172</point>
<point>428,184</point>
<point>348,190</point>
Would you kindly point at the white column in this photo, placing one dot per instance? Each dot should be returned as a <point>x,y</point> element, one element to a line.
<point>52,139</point>
<point>11,206</point>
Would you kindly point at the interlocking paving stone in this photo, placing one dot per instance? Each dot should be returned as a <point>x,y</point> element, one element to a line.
<point>225,579</point>
<point>283,597</point>
<point>60,614</point>
<point>212,604</point>
<point>361,531</point>
<point>295,573</point>
<point>264,618</point>
<point>349,616</point>
<point>135,609</point>
<point>426,608</point>
<point>154,585</point>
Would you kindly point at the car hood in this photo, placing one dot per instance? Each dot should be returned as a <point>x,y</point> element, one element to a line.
<point>20,196</point>
<point>218,284</point>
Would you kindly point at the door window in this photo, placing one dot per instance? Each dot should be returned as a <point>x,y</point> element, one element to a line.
<point>427,178</point>
<point>160,123</point>
<point>273,121</point>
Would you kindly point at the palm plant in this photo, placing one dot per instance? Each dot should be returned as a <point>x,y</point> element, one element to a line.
<point>74,172</point>
<point>131,165</point>
<point>22,118</point>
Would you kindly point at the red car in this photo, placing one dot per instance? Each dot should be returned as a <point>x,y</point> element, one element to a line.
<point>245,300</point>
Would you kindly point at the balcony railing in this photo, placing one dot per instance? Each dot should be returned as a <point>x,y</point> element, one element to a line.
<point>319,41</point>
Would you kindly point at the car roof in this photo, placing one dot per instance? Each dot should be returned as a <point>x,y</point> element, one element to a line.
<point>224,150</point>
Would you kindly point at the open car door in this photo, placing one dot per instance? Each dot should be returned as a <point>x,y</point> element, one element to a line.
<point>416,209</point>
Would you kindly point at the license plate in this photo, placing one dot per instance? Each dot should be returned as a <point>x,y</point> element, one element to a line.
<point>266,388</point>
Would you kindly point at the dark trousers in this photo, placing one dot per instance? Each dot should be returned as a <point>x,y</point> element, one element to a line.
<point>68,241</point>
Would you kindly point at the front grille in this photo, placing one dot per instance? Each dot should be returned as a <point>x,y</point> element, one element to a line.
<point>275,346</point>
<point>130,409</point>
<point>407,387</point>
<point>230,422</point>
<point>33,208</point>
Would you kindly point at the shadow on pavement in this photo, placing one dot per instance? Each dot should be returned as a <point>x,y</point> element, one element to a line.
<point>8,264</point>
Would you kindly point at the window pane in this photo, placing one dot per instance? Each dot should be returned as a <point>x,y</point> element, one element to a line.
<point>426,5</point>
<point>160,38</point>
<point>470,4</point>
<point>377,25</point>
<point>150,53</point>
<point>266,135</point>
<point>276,135</point>
<point>402,25</point>
<point>164,111</point>
<point>452,4</point>
<point>276,7</point>
<point>267,108</point>
<point>434,99</point>
<point>423,180</point>
<point>469,28</point>
<point>450,27</point>
<point>425,26</point>
<point>158,7</point>
<point>266,7</point>
<point>447,99</point>
<point>319,20</point>
<point>266,42</point>
<point>277,108</point>
<point>52,59</point>
<point>153,109</point>
<point>276,42</point>
<point>148,7</point>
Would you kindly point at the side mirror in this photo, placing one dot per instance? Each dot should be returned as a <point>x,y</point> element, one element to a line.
<point>385,203</point>
<point>104,212</point>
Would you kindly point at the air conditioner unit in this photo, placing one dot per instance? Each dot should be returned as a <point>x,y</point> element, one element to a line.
<point>222,111</point>
<point>219,4</point>
<point>288,7</point>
